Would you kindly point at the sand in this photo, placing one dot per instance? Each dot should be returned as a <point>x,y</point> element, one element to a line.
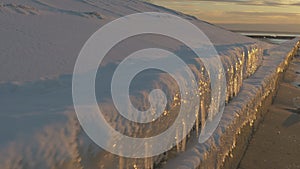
<point>276,143</point>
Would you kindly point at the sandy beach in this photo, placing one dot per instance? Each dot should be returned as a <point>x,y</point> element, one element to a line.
<point>276,143</point>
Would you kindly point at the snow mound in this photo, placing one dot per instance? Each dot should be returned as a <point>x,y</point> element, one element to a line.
<point>38,126</point>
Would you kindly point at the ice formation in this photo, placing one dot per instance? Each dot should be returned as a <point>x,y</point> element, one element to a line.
<point>38,125</point>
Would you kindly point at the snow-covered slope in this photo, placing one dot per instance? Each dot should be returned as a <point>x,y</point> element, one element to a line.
<point>40,42</point>
<point>42,38</point>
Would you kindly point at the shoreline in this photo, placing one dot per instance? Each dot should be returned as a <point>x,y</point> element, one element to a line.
<point>276,140</point>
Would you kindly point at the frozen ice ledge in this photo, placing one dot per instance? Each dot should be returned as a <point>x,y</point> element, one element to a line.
<point>38,125</point>
<point>241,116</point>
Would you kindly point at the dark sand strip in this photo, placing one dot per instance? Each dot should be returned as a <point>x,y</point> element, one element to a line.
<point>276,143</point>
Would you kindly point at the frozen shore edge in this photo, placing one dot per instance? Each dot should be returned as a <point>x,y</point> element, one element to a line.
<point>242,115</point>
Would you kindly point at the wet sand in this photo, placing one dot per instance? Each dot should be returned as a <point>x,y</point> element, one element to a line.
<point>276,143</point>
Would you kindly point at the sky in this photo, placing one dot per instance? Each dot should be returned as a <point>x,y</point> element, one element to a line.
<point>244,15</point>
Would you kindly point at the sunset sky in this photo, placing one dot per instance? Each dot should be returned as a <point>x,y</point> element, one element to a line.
<point>262,15</point>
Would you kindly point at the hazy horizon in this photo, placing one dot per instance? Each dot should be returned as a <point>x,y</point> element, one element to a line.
<point>270,28</point>
<point>243,15</point>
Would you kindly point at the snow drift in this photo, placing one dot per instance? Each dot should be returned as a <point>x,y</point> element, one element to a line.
<point>40,43</point>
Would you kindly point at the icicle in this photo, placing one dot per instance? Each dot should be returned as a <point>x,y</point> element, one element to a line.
<point>121,162</point>
<point>197,122</point>
<point>150,166</point>
<point>203,114</point>
<point>177,141</point>
<point>148,162</point>
<point>183,143</point>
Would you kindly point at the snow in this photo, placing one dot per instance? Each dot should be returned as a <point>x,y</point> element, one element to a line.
<point>240,115</point>
<point>40,42</point>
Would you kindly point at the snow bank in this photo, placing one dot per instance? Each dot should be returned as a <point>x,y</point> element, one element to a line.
<point>40,43</point>
<point>241,115</point>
